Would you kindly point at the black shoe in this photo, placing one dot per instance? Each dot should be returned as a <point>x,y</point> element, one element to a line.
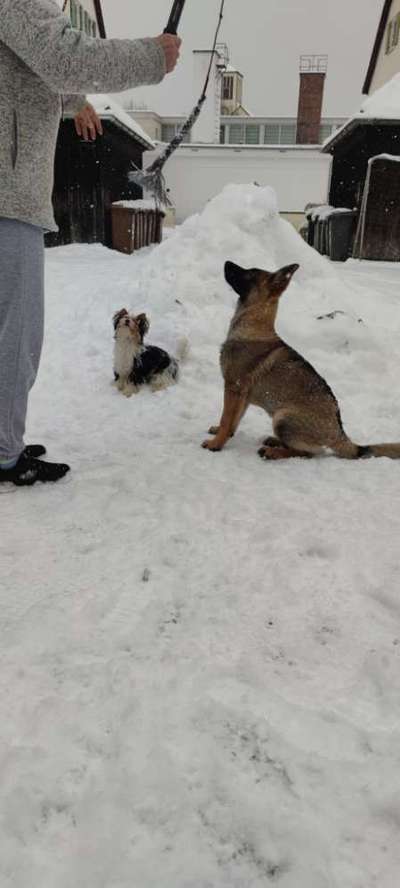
<point>35,450</point>
<point>28,470</point>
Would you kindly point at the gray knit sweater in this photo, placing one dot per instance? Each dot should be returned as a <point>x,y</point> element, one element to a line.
<point>41,60</point>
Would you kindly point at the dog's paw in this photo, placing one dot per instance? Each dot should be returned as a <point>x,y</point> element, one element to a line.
<point>212,444</point>
<point>129,390</point>
<point>272,442</point>
<point>273,451</point>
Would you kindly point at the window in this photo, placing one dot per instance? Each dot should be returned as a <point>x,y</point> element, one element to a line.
<point>288,134</point>
<point>393,34</point>
<point>272,134</point>
<point>236,134</point>
<point>396,31</point>
<point>81,19</point>
<point>222,135</point>
<point>252,136</point>
<point>228,88</point>
<point>167,132</point>
<point>74,13</point>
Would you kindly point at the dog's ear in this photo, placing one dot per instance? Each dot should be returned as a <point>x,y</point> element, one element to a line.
<point>240,279</point>
<point>117,317</point>
<point>280,280</point>
<point>143,325</point>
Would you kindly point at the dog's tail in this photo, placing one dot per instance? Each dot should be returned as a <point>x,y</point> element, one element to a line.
<point>182,349</point>
<point>348,450</point>
<point>392,451</point>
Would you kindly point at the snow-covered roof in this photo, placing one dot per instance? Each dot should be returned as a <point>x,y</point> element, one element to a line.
<point>231,70</point>
<point>384,104</point>
<point>109,109</point>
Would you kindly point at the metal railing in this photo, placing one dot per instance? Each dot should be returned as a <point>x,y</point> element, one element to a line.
<point>313,64</point>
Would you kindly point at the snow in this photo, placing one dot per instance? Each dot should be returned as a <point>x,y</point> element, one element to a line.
<point>200,682</point>
<point>138,205</point>
<point>108,108</point>
<point>324,212</point>
<point>384,103</point>
<point>393,157</point>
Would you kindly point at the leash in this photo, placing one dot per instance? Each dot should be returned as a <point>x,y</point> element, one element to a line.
<point>152,179</point>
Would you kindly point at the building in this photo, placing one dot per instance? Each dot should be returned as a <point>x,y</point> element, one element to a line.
<point>372,132</point>
<point>90,176</point>
<point>235,124</point>
<point>238,147</point>
<point>271,130</point>
<point>196,173</point>
<point>385,57</point>
<point>232,94</point>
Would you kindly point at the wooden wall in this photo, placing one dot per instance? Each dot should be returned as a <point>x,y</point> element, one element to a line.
<point>89,176</point>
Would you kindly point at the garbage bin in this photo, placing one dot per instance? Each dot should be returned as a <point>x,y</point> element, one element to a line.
<point>311,231</point>
<point>340,235</point>
<point>320,237</point>
<point>135,225</point>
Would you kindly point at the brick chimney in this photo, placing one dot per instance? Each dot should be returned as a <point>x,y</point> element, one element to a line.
<point>313,70</point>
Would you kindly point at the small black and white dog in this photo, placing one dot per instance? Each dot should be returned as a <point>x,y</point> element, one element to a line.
<point>136,364</point>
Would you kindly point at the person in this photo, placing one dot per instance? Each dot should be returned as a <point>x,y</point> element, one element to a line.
<point>46,67</point>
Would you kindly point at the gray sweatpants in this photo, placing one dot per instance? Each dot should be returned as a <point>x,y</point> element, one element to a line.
<point>21,327</point>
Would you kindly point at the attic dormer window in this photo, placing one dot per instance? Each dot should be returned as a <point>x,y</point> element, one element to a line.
<point>228,88</point>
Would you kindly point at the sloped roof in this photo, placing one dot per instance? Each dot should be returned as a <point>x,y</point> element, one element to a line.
<point>384,104</point>
<point>109,109</point>
<point>377,45</point>
<point>383,107</point>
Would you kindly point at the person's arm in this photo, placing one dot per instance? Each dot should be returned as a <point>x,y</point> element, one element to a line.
<point>69,61</point>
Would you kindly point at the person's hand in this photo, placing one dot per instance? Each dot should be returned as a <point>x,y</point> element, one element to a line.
<point>88,123</point>
<point>170,43</point>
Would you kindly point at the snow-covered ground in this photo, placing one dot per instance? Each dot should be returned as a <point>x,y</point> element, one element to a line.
<point>200,654</point>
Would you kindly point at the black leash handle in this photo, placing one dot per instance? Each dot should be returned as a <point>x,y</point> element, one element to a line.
<point>175,17</point>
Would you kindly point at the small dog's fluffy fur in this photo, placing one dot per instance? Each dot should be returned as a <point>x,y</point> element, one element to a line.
<point>136,364</point>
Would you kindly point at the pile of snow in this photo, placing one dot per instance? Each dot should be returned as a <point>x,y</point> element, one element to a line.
<point>200,653</point>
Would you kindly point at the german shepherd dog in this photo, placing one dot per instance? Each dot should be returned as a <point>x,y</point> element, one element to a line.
<point>260,368</point>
